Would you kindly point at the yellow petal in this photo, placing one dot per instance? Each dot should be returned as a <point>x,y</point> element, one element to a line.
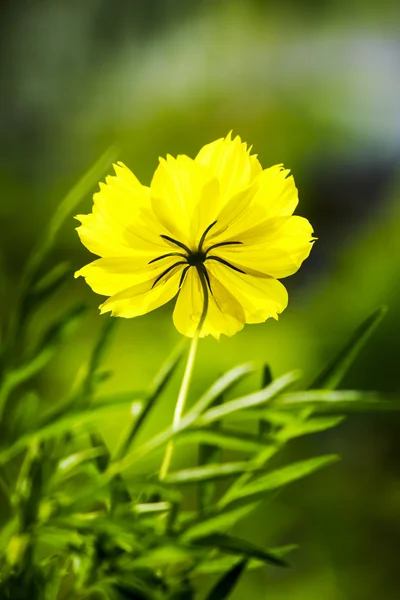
<point>268,201</point>
<point>108,276</point>
<point>224,315</point>
<point>260,298</point>
<point>178,188</point>
<point>231,162</point>
<point>277,192</point>
<point>143,298</point>
<point>280,255</point>
<point>116,226</point>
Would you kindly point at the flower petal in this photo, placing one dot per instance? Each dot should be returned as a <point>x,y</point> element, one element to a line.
<point>116,225</point>
<point>230,161</point>
<point>269,201</point>
<point>282,253</point>
<point>143,298</point>
<point>260,298</point>
<point>178,188</point>
<point>224,315</point>
<point>108,276</point>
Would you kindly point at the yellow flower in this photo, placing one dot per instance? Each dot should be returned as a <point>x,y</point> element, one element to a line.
<point>217,230</point>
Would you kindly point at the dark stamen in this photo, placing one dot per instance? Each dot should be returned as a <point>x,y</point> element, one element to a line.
<point>182,279</point>
<point>176,242</point>
<point>207,277</point>
<point>225,262</point>
<point>203,237</point>
<point>182,262</point>
<point>222,244</point>
<point>166,255</point>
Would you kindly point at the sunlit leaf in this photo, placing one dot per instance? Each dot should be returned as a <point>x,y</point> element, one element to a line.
<point>339,401</point>
<point>218,520</point>
<point>255,399</point>
<point>222,385</point>
<point>207,472</point>
<point>230,440</point>
<point>312,425</point>
<point>280,477</point>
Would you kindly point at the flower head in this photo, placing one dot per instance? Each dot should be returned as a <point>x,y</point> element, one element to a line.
<point>218,230</point>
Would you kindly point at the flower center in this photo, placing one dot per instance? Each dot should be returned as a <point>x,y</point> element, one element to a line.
<point>196,258</point>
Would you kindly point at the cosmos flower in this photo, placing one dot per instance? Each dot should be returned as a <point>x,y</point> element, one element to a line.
<point>218,231</point>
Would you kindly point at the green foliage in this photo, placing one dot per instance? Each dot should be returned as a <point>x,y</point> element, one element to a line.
<point>85,522</point>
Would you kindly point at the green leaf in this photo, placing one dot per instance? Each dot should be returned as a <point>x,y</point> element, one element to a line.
<point>219,519</point>
<point>207,472</point>
<point>209,452</point>
<point>87,419</point>
<point>159,384</point>
<point>338,401</point>
<point>46,286</point>
<point>65,209</point>
<point>225,586</point>
<point>68,465</point>
<point>231,440</point>
<point>223,563</point>
<point>222,385</point>
<point>96,359</point>
<point>43,352</point>
<point>257,398</point>
<point>333,374</point>
<point>234,545</point>
<point>314,425</point>
<point>263,425</point>
<point>280,477</point>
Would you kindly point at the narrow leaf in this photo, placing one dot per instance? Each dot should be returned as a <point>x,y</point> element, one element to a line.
<point>234,545</point>
<point>255,399</point>
<point>207,473</point>
<point>338,401</point>
<point>222,385</point>
<point>96,359</point>
<point>224,563</point>
<point>44,351</point>
<point>333,374</point>
<point>313,425</point>
<point>218,520</point>
<point>280,477</point>
<point>209,452</point>
<point>225,586</point>
<point>160,381</point>
<point>76,421</point>
<point>263,425</point>
<point>231,440</point>
<point>65,209</point>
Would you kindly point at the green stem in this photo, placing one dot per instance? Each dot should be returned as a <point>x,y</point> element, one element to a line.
<point>184,389</point>
<point>180,403</point>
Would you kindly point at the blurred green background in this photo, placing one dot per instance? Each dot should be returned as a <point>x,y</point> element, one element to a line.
<point>312,84</point>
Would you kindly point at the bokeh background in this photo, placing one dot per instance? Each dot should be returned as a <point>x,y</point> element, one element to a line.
<point>313,84</point>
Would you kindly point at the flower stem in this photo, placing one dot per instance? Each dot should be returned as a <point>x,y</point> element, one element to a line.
<point>180,403</point>
<point>183,392</point>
